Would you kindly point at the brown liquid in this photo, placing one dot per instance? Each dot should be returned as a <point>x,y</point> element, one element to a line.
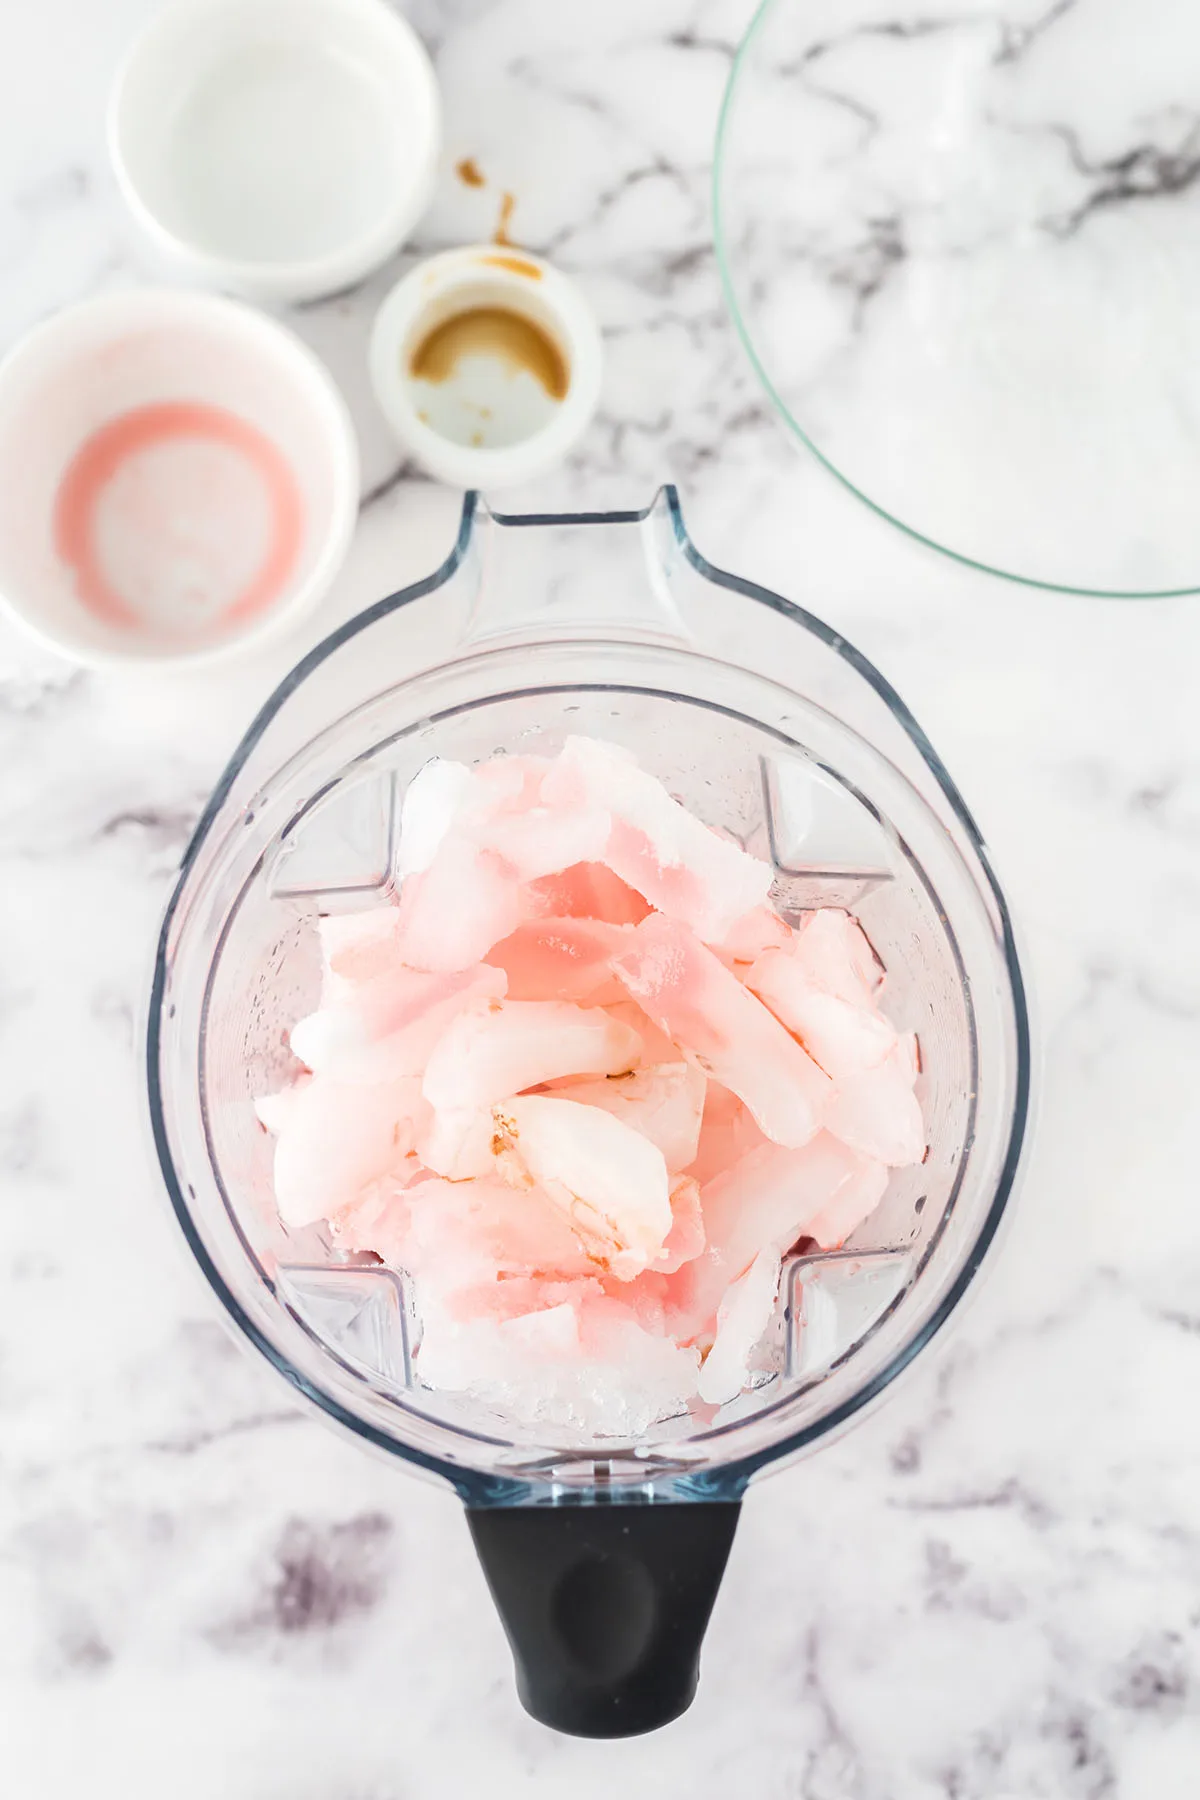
<point>470,173</point>
<point>507,203</point>
<point>491,331</point>
<point>516,265</point>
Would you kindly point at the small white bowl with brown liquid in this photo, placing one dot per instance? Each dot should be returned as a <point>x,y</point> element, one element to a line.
<point>486,362</point>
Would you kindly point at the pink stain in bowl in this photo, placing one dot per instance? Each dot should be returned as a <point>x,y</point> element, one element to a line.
<point>167,491</point>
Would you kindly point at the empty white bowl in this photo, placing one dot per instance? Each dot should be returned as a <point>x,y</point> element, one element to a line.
<point>178,478</point>
<point>282,148</point>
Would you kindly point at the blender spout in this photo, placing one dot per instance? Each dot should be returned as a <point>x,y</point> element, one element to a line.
<point>607,574</point>
<point>605,1605</point>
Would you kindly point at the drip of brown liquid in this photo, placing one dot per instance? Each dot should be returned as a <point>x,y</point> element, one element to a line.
<point>491,331</point>
<point>470,173</point>
<point>507,204</point>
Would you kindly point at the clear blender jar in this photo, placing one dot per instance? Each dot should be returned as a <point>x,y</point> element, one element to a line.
<point>604,1555</point>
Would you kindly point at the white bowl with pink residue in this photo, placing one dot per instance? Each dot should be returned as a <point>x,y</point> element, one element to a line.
<point>178,479</point>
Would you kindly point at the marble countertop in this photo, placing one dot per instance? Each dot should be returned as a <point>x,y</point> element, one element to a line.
<point>990,1589</point>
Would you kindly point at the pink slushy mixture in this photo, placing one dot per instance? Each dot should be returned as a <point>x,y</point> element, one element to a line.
<point>586,1089</point>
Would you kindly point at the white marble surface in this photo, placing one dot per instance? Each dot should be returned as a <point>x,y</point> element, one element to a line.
<point>992,1588</point>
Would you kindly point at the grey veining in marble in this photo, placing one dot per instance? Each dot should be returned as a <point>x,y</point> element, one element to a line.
<point>975,227</point>
<point>990,1590</point>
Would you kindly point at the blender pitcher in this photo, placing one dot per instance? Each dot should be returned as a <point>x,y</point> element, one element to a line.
<point>603,1554</point>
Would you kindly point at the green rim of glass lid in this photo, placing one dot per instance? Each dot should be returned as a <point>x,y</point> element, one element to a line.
<point>963,253</point>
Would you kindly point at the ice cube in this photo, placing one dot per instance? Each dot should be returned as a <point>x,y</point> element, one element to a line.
<point>432,801</point>
<point>598,1372</point>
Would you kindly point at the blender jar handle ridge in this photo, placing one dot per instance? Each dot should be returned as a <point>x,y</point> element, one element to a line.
<point>541,576</point>
<point>605,1605</point>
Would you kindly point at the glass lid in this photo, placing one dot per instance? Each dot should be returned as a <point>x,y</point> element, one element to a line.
<point>962,249</point>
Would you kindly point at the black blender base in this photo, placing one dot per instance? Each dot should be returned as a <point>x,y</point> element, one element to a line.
<point>605,1605</point>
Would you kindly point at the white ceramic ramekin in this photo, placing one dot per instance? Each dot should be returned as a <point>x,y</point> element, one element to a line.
<point>279,148</point>
<point>486,362</point>
<point>178,478</point>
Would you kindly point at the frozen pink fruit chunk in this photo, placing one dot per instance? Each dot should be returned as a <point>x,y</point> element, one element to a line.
<point>561,959</point>
<point>832,949</point>
<point>505,812</point>
<point>463,1232</point>
<point>546,839</point>
<point>517,1044</point>
<point>772,1195</point>
<point>336,1139</point>
<point>274,1110</point>
<point>456,1142</point>
<point>609,1180</point>
<point>506,784</point>
<point>512,1296</point>
<point>694,998</point>
<point>743,1316</point>
<point>588,891</point>
<point>655,845</point>
<point>853,1203</point>
<point>657,1047</point>
<point>766,1201</point>
<point>377,1219</point>
<point>727,1133</point>
<point>506,1094</point>
<point>448,799</point>
<point>356,947</point>
<point>757,931</point>
<point>454,911</point>
<point>664,1103</point>
<point>644,1299</point>
<point>389,1025</point>
<point>845,1039</point>
<point>685,1239</point>
<point>877,1112</point>
<point>474,839</point>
